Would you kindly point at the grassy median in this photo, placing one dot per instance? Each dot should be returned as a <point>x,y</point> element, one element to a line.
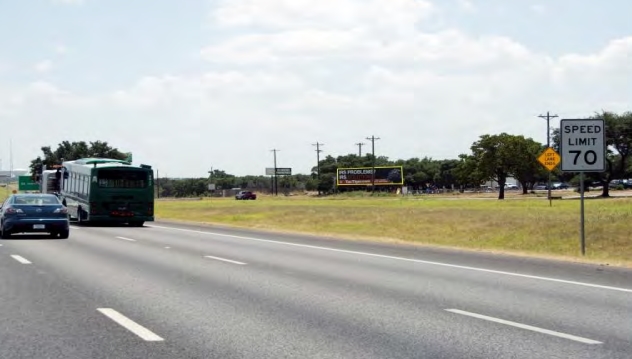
<point>526,226</point>
<point>6,190</point>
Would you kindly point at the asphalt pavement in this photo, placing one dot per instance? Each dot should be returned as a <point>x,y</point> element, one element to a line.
<point>171,290</point>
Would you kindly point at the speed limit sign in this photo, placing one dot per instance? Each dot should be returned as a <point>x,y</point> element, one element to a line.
<point>583,145</point>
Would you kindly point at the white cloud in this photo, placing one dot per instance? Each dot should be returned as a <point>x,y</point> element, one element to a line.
<point>284,74</point>
<point>61,49</point>
<point>538,8</point>
<point>43,66</point>
<point>4,67</point>
<point>347,14</point>
<point>467,5</point>
<point>444,50</point>
<point>68,2</point>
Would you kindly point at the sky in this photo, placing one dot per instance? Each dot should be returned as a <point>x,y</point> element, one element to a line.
<point>187,86</point>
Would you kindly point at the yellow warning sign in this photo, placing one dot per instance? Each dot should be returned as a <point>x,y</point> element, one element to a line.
<point>549,159</point>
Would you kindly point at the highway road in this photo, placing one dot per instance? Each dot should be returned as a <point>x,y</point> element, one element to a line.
<point>180,291</point>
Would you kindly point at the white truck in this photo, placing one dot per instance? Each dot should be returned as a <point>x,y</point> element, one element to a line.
<point>49,183</point>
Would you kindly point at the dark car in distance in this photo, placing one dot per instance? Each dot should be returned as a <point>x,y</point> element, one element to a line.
<point>244,195</point>
<point>34,213</point>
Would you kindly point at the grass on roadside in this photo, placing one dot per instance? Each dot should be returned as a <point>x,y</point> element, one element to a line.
<point>516,226</point>
<point>6,189</point>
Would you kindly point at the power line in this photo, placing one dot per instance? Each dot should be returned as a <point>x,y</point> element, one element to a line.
<point>11,158</point>
<point>360,144</point>
<point>548,118</point>
<point>318,151</point>
<point>373,139</point>
<point>276,187</point>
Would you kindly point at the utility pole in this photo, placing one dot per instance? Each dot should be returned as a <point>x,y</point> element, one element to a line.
<point>360,144</point>
<point>276,187</point>
<point>373,139</point>
<point>318,151</point>
<point>11,158</point>
<point>210,180</point>
<point>548,118</point>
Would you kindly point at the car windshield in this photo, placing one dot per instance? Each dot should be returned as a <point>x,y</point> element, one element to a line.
<point>35,200</point>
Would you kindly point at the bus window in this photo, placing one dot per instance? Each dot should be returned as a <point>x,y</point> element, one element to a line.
<point>121,179</point>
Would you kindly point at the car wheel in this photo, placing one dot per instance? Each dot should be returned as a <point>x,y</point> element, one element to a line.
<point>4,234</point>
<point>64,234</point>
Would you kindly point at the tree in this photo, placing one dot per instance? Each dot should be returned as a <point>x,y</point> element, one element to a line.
<point>525,166</point>
<point>69,151</point>
<point>619,132</point>
<point>467,172</point>
<point>447,173</point>
<point>494,158</point>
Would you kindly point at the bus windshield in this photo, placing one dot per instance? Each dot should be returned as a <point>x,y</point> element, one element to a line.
<point>115,178</point>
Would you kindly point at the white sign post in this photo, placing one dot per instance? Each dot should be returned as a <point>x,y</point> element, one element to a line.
<point>583,149</point>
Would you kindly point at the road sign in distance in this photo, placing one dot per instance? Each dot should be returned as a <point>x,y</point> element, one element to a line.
<point>26,183</point>
<point>583,145</point>
<point>270,171</point>
<point>283,171</point>
<point>549,159</point>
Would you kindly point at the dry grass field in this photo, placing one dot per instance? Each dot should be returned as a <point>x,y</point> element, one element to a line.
<point>518,225</point>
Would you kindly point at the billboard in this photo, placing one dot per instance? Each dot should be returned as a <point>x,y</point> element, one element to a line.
<point>279,171</point>
<point>283,171</point>
<point>361,176</point>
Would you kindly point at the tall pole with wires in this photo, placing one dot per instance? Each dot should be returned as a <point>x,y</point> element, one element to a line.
<point>318,151</point>
<point>548,118</point>
<point>360,144</point>
<point>276,188</point>
<point>373,139</point>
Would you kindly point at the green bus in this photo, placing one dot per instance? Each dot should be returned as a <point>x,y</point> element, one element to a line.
<point>107,190</point>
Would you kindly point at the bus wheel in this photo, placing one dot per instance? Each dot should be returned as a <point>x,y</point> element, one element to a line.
<point>81,219</point>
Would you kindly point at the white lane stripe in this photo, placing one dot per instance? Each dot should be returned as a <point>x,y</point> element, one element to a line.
<point>20,259</point>
<point>527,327</point>
<point>167,247</point>
<point>130,325</point>
<point>225,260</point>
<point>406,259</point>
<point>0,245</point>
<point>127,239</point>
